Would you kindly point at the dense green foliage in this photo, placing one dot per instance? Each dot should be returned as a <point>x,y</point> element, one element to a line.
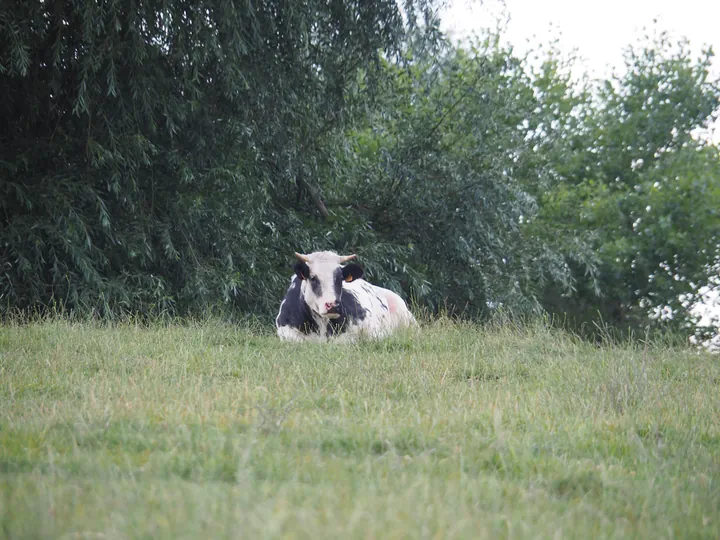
<point>169,157</point>
<point>635,184</point>
<point>150,149</point>
<point>436,174</point>
<point>214,431</point>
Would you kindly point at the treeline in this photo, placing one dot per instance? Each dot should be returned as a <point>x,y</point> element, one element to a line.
<point>165,157</point>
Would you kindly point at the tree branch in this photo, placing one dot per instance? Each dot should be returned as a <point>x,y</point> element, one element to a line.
<point>314,196</point>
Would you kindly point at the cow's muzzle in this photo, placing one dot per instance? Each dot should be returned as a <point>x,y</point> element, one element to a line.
<point>331,310</point>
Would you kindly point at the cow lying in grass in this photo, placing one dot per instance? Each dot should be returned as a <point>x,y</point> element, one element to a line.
<point>327,300</point>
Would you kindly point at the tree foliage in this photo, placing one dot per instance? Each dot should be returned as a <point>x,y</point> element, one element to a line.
<point>436,175</point>
<point>636,183</point>
<point>170,157</point>
<point>148,148</point>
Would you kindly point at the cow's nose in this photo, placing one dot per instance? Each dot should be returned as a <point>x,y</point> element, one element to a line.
<point>329,306</point>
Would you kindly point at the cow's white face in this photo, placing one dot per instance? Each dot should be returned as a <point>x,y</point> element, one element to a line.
<point>323,278</point>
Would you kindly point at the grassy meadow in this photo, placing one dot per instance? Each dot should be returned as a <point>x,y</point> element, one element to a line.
<point>214,431</point>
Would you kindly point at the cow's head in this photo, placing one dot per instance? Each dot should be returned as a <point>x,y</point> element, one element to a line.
<point>324,275</point>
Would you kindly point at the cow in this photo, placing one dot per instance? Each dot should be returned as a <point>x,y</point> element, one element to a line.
<point>328,301</point>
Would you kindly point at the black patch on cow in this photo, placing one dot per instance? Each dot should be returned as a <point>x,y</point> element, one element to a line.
<point>302,270</point>
<point>337,281</point>
<point>336,326</point>
<point>295,312</point>
<point>316,286</point>
<point>352,272</point>
<point>382,303</point>
<point>351,307</point>
<point>348,309</point>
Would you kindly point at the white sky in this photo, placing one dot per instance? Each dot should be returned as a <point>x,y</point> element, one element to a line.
<point>598,30</point>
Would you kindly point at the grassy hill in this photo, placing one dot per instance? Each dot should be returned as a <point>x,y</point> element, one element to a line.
<point>210,430</point>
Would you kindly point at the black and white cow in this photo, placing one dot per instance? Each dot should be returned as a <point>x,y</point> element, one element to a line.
<point>327,300</point>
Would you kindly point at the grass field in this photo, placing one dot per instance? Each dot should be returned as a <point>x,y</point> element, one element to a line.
<point>213,431</point>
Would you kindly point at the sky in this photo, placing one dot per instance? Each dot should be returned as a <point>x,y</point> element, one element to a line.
<point>598,30</point>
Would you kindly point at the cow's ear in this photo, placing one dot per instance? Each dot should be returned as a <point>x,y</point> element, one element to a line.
<point>352,271</point>
<point>302,270</point>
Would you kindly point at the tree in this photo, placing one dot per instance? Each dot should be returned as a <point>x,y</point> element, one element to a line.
<point>152,151</point>
<point>434,177</point>
<point>636,184</point>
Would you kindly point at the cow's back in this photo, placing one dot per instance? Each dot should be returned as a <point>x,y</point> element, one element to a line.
<point>384,310</point>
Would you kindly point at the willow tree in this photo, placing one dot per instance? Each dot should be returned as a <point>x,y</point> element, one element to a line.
<point>151,149</point>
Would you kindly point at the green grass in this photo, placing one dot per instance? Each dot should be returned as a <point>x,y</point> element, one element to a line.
<point>210,430</point>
